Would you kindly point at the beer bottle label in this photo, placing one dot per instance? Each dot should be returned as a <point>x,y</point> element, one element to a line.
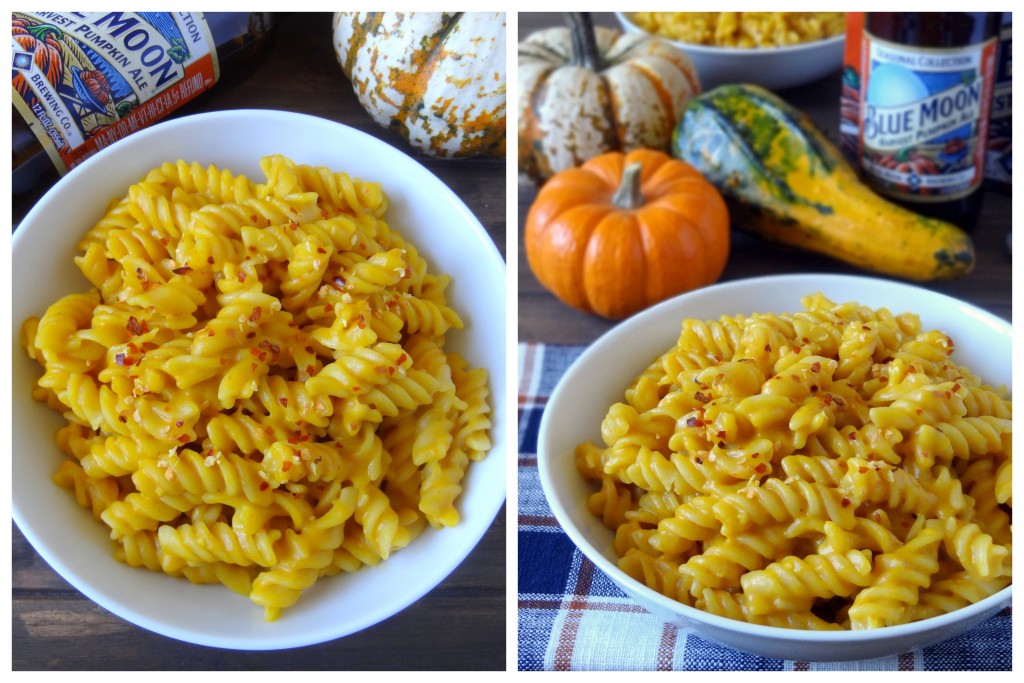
<point>83,80</point>
<point>924,118</point>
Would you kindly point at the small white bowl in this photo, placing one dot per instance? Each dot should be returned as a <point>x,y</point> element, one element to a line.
<point>600,375</point>
<point>774,68</point>
<point>422,209</point>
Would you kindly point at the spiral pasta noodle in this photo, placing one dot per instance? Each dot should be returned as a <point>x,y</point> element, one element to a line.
<point>832,468</point>
<point>256,387</point>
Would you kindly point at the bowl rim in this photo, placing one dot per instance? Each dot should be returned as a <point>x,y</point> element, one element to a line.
<point>692,614</point>
<point>488,506</point>
<point>725,50</point>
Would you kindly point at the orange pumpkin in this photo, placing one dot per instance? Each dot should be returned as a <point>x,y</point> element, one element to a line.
<point>624,231</point>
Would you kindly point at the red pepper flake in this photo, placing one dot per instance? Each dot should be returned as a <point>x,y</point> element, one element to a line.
<point>321,250</point>
<point>119,359</point>
<point>361,322</point>
<point>310,370</point>
<point>164,241</point>
<point>275,349</point>
<point>814,388</point>
<point>253,366</point>
<point>845,503</point>
<point>356,390</point>
<point>380,369</point>
<point>755,455</point>
<point>768,348</point>
<point>883,380</point>
<point>863,470</point>
<point>184,270</point>
<point>697,459</point>
<point>912,370</point>
<point>251,335</point>
<point>815,366</point>
<point>122,418</point>
<point>721,434</point>
<point>241,276</point>
<point>264,486</point>
<point>852,436</point>
<point>408,272</point>
<point>402,358</point>
<point>257,311</point>
<point>136,327</point>
<point>254,351</point>
<point>179,423</point>
<point>691,422</point>
<point>223,361</point>
<point>391,369</point>
<point>286,465</point>
<point>949,395</point>
<point>209,259</point>
<point>283,401</point>
<point>702,397</point>
<point>761,468</point>
<point>795,378</point>
<point>956,387</point>
<point>918,411</point>
<point>828,399</point>
<point>183,438</point>
<point>721,444</point>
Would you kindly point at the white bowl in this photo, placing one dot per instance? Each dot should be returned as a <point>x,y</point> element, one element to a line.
<point>422,209</point>
<point>600,375</point>
<point>774,68</point>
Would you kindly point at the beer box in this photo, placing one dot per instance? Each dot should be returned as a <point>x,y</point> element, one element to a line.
<point>998,154</point>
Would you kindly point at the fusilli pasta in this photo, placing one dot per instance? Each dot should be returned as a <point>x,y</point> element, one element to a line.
<point>832,468</point>
<point>256,387</point>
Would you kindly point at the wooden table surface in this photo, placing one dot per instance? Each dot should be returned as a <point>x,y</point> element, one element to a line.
<point>459,625</point>
<point>542,318</point>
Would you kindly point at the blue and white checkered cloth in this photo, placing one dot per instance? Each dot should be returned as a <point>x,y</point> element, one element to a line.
<point>572,617</point>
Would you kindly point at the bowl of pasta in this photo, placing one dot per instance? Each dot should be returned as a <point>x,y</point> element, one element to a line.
<point>260,394</point>
<point>806,467</point>
<point>775,50</point>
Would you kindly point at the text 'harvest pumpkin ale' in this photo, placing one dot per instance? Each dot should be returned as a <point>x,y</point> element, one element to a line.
<point>83,80</point>
<point>926,94</point>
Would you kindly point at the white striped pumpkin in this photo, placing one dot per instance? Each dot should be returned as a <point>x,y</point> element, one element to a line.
<point>437,78</point>
<point>584,91</point>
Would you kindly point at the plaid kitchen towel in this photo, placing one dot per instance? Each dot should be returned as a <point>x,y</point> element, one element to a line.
<point>572,617</point>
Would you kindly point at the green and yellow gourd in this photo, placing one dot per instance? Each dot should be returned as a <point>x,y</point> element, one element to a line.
<point>783,180</point>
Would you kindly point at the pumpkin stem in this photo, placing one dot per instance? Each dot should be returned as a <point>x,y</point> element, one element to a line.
<point>628,196</point>
<point>584,41</point>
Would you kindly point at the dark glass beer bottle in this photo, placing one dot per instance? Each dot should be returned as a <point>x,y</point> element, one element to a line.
<point>926,94</point>
<point>85,80</point>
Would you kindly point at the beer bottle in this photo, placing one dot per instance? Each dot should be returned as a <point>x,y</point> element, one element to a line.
<point>83,80</point>
<point>926,94</point>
